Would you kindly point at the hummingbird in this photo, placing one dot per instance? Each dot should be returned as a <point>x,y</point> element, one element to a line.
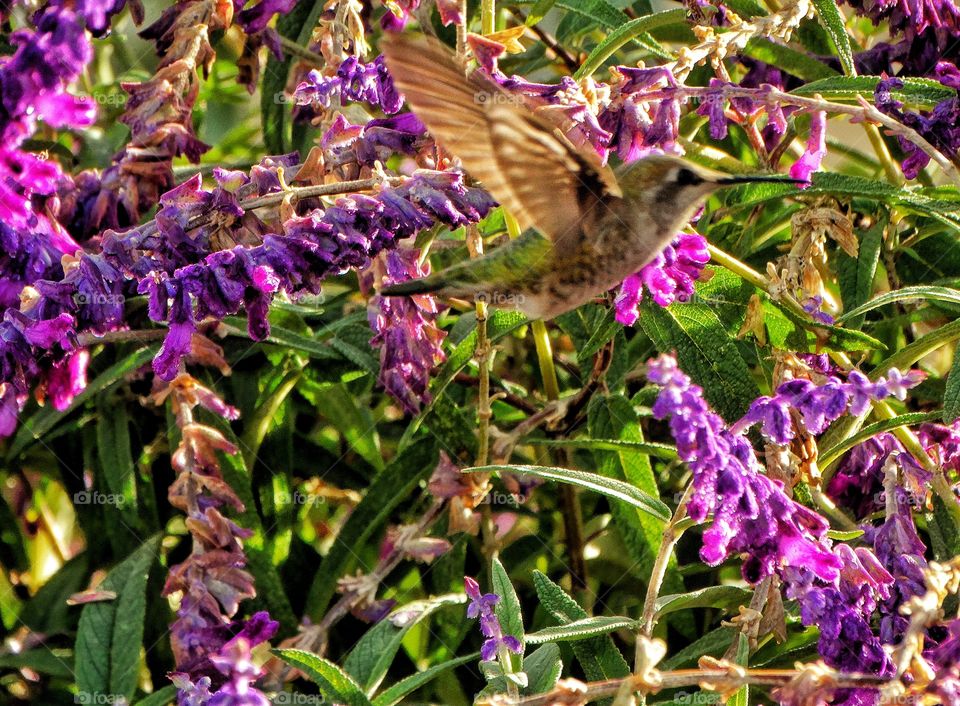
<point>584,227</point>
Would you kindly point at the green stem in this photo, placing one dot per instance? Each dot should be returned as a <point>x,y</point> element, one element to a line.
<point>291,47</point>
<point>548,370</point>
<point>883,154</point>
<point>671,535</point>
<point>488,16</point>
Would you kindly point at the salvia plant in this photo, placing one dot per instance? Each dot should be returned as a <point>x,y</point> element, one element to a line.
<point>276,426</point>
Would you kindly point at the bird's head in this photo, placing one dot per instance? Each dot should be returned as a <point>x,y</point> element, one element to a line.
<point>667,184</point>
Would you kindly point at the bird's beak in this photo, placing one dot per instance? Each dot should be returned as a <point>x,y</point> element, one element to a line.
<point>759,178</point>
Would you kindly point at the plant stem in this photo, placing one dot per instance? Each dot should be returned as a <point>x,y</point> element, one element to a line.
<point>671,535</point>
<point>291,47</point>
<point>548,370</point>
<point>488,16</point>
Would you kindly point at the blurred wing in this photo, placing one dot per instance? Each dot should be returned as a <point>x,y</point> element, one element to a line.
<point>526,164</point>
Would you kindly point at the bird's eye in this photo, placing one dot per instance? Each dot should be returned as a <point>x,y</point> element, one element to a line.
<point>688,177</point>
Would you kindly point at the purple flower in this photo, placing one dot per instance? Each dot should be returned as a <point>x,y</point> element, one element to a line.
<point>941,126</point>
<point>669,277</point>
<point>482,607</point>
<point>820,405</point>
<point>911,16</point>
<point>752,514</point>
<point>815,150</point>
<point>354,81</point>
<point>712,106</point>
<point>406,333</point>
<point>323,242</point>
<point>234,661</point>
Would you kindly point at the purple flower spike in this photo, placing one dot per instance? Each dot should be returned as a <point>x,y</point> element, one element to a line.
<point>820,405</point>
<point>752,514</point>
<point>482,606</point>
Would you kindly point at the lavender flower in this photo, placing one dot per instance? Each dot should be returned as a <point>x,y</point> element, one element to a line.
<point>354,81</point>
<point>325,241</point>
<point>482,607</point>
<point>669,277</point>
<point>233,660</point>
<point>819,405</point>
<point>752,513</point>
<point>911,16</point>
<point>939,126</point>
<point>406,333</point>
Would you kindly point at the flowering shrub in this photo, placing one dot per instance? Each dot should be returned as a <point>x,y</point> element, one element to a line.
<point>236,471</point>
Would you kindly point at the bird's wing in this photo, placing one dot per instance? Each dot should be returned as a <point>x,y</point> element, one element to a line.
<point>522,160</point>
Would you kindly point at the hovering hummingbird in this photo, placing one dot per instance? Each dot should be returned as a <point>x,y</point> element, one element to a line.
<point>585,228</point>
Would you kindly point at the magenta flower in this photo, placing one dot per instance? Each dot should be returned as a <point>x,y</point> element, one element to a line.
<point>669,277</point>
<point>816,148</point>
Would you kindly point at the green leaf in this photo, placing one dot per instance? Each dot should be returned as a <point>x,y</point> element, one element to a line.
<point>798,63</point>
<point>930,293</point>
<point>857,275</point>
<point>45,660</point>
<point>918,92</point>
<point>664,451</point>
<point>705,351</point>
<point>832,20</point>
<point>334,683</point>
<point>539,11</point>
<point>625,33</point>
<point>607,15</point>
<point>614,415</point>
<point>47,611</point>
<point>395,694</point>
<point>591,481</point>
<point>828,457</point>
<point>944,531</point>
<point>389,489</point>
<point>844,535</point>
<point>714,643</point>
<point>951,395</point>
<point>942,204</point>
<point>584,629</point>
<point>110,633</point>
<point>368,661</point>
<point>926,344</point>
<point>710,597</point>
<point>116,459</point>
<point>39,424</point>
<point>742,695</point>
<point>355,422</point>
<point>543,667</point>
<point>598,656</point>
<point>508,608</point>
<point>162,697</point>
